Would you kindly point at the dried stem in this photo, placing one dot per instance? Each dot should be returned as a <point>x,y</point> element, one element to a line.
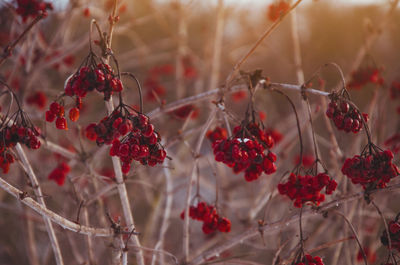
<point>63,222</point>
<point>216,59</point>
<point>208,94</point>
<point>257,43</point>
<point>38,192</point>
<point>191,182</point>
<point>167,211</point>
<point>10,47</point>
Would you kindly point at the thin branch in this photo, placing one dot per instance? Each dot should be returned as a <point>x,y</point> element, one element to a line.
<point>191,182</point>
<point>167,211</point>
<point>258,42</point>
<point>10,47</point>
<point>54,217</point>
<point>38,192</point>
<point>202,96</point>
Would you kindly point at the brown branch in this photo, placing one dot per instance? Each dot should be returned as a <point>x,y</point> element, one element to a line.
<point>54,217</point>
<point>10,47</point>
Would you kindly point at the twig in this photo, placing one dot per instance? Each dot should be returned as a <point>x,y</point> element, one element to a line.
<point>167,211</point>
<point>258,42</point>
<point>191,182</point>
<point>216,59</point>
<point>63,222</point>
<point>38,192</point>
<point>10,47</point>
<point>202,96</point>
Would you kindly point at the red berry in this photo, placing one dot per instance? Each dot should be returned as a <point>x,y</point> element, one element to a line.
<point>74,114</point>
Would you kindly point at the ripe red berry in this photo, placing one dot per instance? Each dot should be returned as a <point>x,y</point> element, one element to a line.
<point>61,123</point>
<point>74,114</point>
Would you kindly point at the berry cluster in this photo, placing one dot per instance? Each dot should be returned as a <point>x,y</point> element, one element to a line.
<point>344,116</point>
<point>56,112</point>
<point>111,127</point>
<point>38,98</point>
<point>17,133</point>
<point>363,76</point>
<point>98,77</point>
<point>32,8</point>
<point>246,151</point>
<point>60,173</point>
<point>277,9</point>
<point>210,218</point>
<point>217,134</point>
<point>394,233</point>
<point>310,260</point>
<point>371,170</point>
<point>302,189</point>
<point>141,144</point>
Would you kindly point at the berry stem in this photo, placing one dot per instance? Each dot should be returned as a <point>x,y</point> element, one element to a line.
<point>298,127</point>
<point>139,90</point>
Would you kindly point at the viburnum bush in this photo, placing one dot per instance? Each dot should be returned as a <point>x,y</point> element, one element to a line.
<point>199,132</point>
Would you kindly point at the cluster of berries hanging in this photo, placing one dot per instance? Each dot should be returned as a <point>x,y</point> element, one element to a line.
<point>394,233</point>
<point>59,174</point>
<point>310,260</point>
<point>277,9</point>
<point>56,113</point>
<point>307,188</point>
<point>210,218</point>
<point>372,169</point>
<point>363,76</point>
<point>248,150</point>
<point>93,76</point>
<point>20,131</point>
<point>140,141</point>
<point>111,127</point>
<point>344,116</point>
<point>32,8</point>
